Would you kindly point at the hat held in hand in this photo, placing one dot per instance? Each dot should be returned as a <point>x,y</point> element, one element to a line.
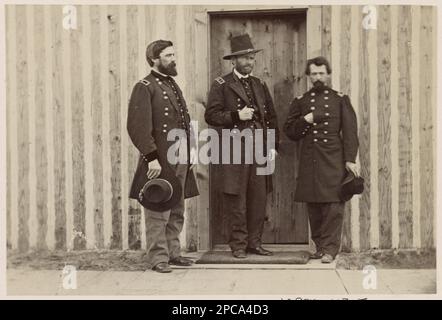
<point>162,193</point>
<point>350,186</point>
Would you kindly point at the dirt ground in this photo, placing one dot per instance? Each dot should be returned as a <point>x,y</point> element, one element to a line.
<point>135,260</point>
<point>388,259</point>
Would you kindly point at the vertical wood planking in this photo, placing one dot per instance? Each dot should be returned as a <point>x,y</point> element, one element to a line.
<point>115,132</point>
<point>12,123</point>
<point>364,136</point>
<point>97,123</point>
<point>428,65</point>
<point>415,111</point>
<point>384,116</point>
<point>405,134</point>
<point>314,31</point>
<point>89,179</point>
<point>345,81</point>
<point>432,242</point>
<point>22,128</point>
<point>123,40</point>
<point>201,53</point>
<point>189,60</point>
<point>335,55</point>
<point>106,138</point>
<point>8,39</point>
<point>41,157</point>
<point>133,66</point>
<point>394,124</point>
<point>327,32</point>
<point>67,135</point>
<point>31,103</point>
<point>283,212</point>
<point>59,115</point>
<point>355,92</point>
<point>49,105</point>
<point>77,142</point>
<point>374,128</point>
<point>178,38</point>
<point>67,105</point>
<point>301,87</point>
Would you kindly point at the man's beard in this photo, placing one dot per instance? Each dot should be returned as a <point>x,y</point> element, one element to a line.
<point>318,85</point>
<point>169,70</point>
<point>247,69</point>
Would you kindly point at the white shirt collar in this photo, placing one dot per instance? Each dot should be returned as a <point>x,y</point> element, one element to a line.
<point>239,75</point>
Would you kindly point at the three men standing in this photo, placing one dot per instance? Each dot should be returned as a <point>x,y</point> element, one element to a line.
<point>242,102</point>
<point>322,118</point>
<point>326,123</point>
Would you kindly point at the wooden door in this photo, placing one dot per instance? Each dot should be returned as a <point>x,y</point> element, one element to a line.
<point>281,66</point>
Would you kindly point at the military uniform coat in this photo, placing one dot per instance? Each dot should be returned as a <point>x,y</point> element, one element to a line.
<point>226,97</point>
<point>153,111</point>
<point>327,143</point>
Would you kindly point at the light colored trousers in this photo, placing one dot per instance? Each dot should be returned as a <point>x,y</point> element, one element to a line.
<point>163,228</point>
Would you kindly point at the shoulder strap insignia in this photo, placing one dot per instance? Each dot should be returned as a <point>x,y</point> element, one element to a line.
<point>341,94</point>
<point>299,97</point>
<point>220,80</point>
<point>145,82</point>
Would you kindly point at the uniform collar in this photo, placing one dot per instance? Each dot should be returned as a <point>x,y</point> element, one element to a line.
<point>160,75</point>
<point>239,75</point>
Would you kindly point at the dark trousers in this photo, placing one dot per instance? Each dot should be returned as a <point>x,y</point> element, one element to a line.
<point>326,225</point>
<point>163,228</point>
<point>247,210</point>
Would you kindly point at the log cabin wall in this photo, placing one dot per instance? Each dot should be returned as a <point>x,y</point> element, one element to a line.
<point>70,160</point>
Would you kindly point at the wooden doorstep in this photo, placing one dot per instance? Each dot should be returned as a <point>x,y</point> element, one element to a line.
<point>271,247</point>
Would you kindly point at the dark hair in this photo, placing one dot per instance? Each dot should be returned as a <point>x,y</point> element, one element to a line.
<point>318,61</point>
<point>154,49</point>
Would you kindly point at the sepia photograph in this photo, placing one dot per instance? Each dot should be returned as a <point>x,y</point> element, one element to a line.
<point>274,150</point>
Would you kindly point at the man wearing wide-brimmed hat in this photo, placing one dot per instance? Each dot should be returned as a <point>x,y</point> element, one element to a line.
<point>240,101</point>
<point>157,106</point>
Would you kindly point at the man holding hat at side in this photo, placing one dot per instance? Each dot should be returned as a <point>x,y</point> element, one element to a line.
<point>239,101</point>
<point>324,120</point>
<point>157,106</point>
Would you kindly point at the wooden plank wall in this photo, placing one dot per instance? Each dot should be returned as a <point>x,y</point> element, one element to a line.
<point>389,74</point>
<point>70,160</point>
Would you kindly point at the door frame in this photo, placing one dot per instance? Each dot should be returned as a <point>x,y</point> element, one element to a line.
<point>202,24</point>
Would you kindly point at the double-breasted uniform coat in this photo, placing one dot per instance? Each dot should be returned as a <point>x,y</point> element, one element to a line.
<point>245,192</point>
<point>153,111</point>
<point>327,143</point>
<point>227,96</point>
<point>157,106</point>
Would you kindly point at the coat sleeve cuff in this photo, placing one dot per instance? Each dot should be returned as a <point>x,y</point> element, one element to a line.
<point>235,117</point>
<point>150,156</point>
<point>350,159</point>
